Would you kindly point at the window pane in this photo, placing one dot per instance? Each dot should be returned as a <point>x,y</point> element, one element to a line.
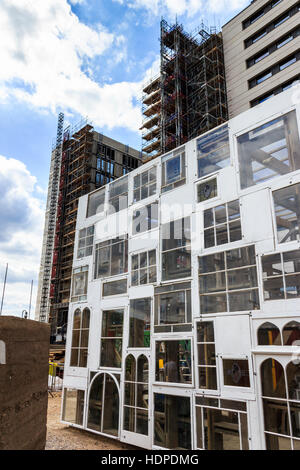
<point>172,421</point>
<point>205,332</point>
<point>268,335</point>
<point>142,422</point>
<point>242,278</point>
<point>129,419</point>
<point>199,427</point>
<point>96,404</point>
<point>211,263</point>
<point>272,379</point>
<point>236,372</point>
<point>73,406</point>
<point>111,407</point>
<point>176,264</point>
<point>293,378</point>
<point>235,231</point>
<point>173,361</point>
<point>276,417</point>
<point>207,378</point>
<point>221,234</point>
<point>139,334</point>
<point>272,265</point>
<point>211,283</point>
<point>273,288</point>
<point>111,352</point>
<point>287,203</point>
<point>221,429</point>
<point>206,355</point>
<point>291,333</point>
<point>274,442</point>
<point>213,303</point>
<point>213,151</point>
<point>173,308</point>
<point>209,238</point>
<point>240,257</point>
<point>115,288</point>
<point>143,369</point>
<point>246,300</point>
<point>220,214</point>
<point>207,190</point>
<point>130,368</point>
<point>96,203</point>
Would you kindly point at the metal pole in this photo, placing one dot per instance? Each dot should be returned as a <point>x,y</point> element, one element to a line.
<point>5,277</point>
<point>30,299</point>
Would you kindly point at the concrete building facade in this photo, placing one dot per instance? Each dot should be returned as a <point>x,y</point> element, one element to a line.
<point>185,315</point>
<point>262,52</point>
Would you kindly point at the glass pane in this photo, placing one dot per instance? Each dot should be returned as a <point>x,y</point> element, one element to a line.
<point>207,378</point>
<point>213,151</point>
<point>235,231</point>
<point>211,263</point>
<point>295,418</point>
<point>241,257</point>
<point>173,361</point>
<point>80,283</point>
<point>152,258</point>
<point>213,303</point>
<point>244,300</point>
<point>242,278</point>
<point>208,218</point>
<point>96,404</point>
<point>86,318</point>
<point>206,355</point>
<point>112,323</point>
<point>291,333</point>
<point>220,214</point>
<point>84,339</point>
<point>139,320</point>
<point>207,190</point>
<point>73,406</point>
<point>221,234</point>
<point>209,238</point>
<point>269,150</point>
<point>287,203</point>
<point>135,262</point>
<point>199,427</point>
<point>115,288</point>
<point>271,265</point>
<point>221,430</point>
<point>129,393</point>
<point>172,170</point>
<point>291,261</point>
<point>233,209</point>
<point>272,379</point>
<point>111,407</point>
<point>172,421</point>
<point>236,372</point>
<point>274,442</point>
<point>273,288</point>
<point>118,258</point>
<point>134,278</point>
<point>172,307</point>
<point>276,416</point>
<point>142,396</point>
<point>176,264</point>
<point>292,286</point>
<point>143,260</point>
<point>293,378</point>
<point>142,422</point>
<point>268,335</point>
<point>111,352</point>
<point>205,332</point>
<point>130,369</point>
<point>211,283</point>
<point>96,203</point>
<point>152,275</point>
<point>75,338</point>
<point>143,369</point>
<point>83,356</point>
<point>74,358</point>
<point>129,419</point>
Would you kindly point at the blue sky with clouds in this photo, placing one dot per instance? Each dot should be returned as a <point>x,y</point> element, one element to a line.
<point>85,58</point>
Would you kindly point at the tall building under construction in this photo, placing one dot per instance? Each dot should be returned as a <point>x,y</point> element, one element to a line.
<point>82,160</point>
<point>188,97</point>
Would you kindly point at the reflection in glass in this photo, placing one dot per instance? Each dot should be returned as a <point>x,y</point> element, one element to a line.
<point>173,361</point>
<point>172,421</point>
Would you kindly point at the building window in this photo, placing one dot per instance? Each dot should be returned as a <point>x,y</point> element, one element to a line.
<point>136,393</point>
<point>144,185</point>
<point>96,203</point>
<point>173,361</point>
<point>236,372</point>
<point>173,311</point>
<point>268,335</point>
<point>207,367</point>
<point>281,275</point>
<point>176,249</point>
<point>73,406</point>
<point>145,218</point>
<point>207,190</point>
<point>221,424</point>
<point>228,281</point>
<point>287,213</point>
<point>275,69</point>
<point>270,150</point>
<point>111,257</point>
<point>281,404</point>
<point>118,287</point>
<point>143,268</point>
<point>222,224</point>
<point>173,170</point>
<point>172,421</point>
<point>273,47</point>
<point>260,13</point>
<point>139,323</point>
<point>118,195</point>
<point>275,91</point>
<point>85,242</point>
<point>213,151</point>
<point>80,338</point>
<point>112,338</point>
<point>79,284</point>
<point>103,407</point>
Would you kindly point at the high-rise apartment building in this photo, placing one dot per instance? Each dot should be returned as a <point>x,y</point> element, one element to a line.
<point>262,52</point>
<point>82,161</point>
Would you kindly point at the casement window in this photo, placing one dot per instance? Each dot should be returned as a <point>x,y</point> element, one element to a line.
<point>281,275</point>
<point>207,190</point>
<point>268,151</point>
<point>228,281</point>
<point>96,203</point>
<point>173,170</point>
<point>145,218</point>
<point>118,195</point>
<point>73,406</point>
<point>118,287</point>
<point>173,311</point>
<point>287,213</point>
<point>221,424</point>
<point>139,323</point>
<point>176,249</point>
<point>269,334</point>
<point>85,242</point>
<point>144,184</point>
<point>172,421</point>
<point>174,361</point>
<point>111,257</point>
<point>206,355</point>
<point>222,224</point>
<point>213,151</point>
<point>143,268</point>
<point>80,338</point>
<point>281,404</point>
<point>79,284</point>
<point>136,395</point>
<point>112,338</point>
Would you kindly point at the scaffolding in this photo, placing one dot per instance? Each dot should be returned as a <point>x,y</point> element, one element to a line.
<point>189,96</point>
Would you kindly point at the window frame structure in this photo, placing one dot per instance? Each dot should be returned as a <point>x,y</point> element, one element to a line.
<point>222,275</point>
<point>147,184</point>
<point>146,269</point>
<point>180,244</point>
<point>207,346</point>
<point>162,328</point>
<point>280,341</point>
<point>227,221</point>
<point>81,338</point>
<point>87,246</point>
<point>283,276</point>
<point>82,270</point>
<point>115,339</point>
<point>168,184</point>
<point>218,143</point>
<point>227,406</point>
<point>80,401</point>
<point>285,213</point>
<point>109,245</point>
<point>159,371</point>
<point>253,141</point>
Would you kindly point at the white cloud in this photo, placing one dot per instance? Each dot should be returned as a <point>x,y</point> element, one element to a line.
<point>21,220</point>
<point>44,47</point>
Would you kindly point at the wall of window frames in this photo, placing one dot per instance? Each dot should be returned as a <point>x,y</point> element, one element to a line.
<point>184,327</point>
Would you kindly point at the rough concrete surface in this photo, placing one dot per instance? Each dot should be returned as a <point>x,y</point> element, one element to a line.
<point>23,384</point>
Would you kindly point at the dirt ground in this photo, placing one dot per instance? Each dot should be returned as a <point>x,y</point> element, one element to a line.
<point>62,437</point>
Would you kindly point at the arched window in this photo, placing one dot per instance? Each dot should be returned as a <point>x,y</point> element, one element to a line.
<point>136,395</point>
<point>272,379</point>
<point>291,333</point>
<point>80,338</point>
<point>293,381</point>
<point>103,409</point>
<point>268,335</point>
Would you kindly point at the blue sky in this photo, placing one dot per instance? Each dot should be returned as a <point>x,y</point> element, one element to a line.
<point>85,58</point>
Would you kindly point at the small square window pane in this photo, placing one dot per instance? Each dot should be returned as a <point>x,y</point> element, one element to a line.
<point>208,218</point>
<point>221,234</point>
<point>213,303</point>
<point>292,286</point>
<point>240,301</point>
<point>207,378</point>
<point>134,278</point>
<point>152,274</point>
<point>220,214</point>
<point>233,210</point>
<point>273,288</point>
<point>209,238</point>
<point>235,231</point>
<point>152,258</point>
<point>143,276</point>
<point>135,262</point>
<point>152,189</point>
<point>143,260</point>
<point>206,355</point>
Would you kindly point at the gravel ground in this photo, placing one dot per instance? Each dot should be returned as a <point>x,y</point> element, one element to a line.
<point>62,437</point>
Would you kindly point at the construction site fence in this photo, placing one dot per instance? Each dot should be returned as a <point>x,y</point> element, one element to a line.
<point>55,376</point>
